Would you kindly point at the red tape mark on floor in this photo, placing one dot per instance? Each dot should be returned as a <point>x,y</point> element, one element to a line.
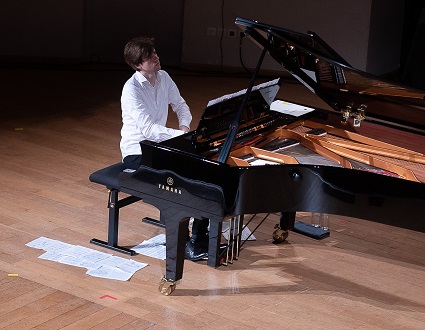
<point>108,296</point>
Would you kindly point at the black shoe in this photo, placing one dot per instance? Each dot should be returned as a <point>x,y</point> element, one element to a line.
<point>197,245</point>
<point>196,251</point>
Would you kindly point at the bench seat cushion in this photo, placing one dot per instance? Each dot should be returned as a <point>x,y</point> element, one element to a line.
<point>108,176</point>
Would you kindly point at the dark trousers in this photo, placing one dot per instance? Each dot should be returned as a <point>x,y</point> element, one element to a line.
<point>132,161</point>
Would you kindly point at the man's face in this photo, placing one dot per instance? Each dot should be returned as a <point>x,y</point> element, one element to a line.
<point>150,65</point>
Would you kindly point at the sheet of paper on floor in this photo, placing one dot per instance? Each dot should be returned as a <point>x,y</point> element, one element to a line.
<point>246,233</point>
<point>153,247</point>
<point>98,263</point>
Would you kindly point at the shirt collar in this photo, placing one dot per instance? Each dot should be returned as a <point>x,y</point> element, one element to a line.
<point>142,79</point>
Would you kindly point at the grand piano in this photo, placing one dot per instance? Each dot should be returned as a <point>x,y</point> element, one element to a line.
<point>362,157</point>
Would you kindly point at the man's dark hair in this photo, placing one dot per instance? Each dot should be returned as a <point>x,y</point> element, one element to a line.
<point>138,50</point>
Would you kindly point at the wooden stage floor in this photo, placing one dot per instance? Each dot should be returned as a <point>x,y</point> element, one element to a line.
<point>59,125</point>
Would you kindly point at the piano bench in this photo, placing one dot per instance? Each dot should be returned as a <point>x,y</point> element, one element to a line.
<point>109,177</point>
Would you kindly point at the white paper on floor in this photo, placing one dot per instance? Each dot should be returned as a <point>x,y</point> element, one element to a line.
<point>246,233</point>
<point>98,264</point>
<point>153,247</point>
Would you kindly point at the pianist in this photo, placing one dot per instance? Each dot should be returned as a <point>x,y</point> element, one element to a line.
<point>144,103</point>
<point>145,99</point>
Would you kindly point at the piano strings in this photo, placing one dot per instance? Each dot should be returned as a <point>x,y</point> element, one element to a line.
<point>329,146</point>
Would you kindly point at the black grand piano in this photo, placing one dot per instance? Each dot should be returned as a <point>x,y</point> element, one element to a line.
<point>333,161</point>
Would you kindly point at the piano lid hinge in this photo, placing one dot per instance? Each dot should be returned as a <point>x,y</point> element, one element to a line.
<point>356,112</point>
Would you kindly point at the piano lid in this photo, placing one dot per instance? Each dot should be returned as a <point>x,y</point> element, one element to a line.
<point>353,93</point>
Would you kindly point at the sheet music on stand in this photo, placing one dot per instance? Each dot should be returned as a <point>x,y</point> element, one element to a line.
<point>289,108</point>
<point>268,93</point>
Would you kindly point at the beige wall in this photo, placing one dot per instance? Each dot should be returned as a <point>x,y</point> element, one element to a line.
<point>367,33</point>
<point>344,24</point>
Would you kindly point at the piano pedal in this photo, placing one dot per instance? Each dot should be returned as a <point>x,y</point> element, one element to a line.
<point>224,255</point>
<point>279,235</point>
<point>228,253</point>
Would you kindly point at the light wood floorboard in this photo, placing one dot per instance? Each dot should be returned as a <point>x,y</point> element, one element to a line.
<point>59,126</point>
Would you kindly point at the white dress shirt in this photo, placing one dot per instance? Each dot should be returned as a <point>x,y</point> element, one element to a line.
<point>145,111</point>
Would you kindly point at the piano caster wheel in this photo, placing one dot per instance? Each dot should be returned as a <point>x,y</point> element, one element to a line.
<point>166,287</point>
<point>279,235</point>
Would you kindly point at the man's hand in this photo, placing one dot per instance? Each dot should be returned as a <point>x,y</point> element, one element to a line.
<point>184,128</point>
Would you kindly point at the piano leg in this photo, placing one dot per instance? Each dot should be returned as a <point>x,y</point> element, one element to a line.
<point>287,220</point>
<point>214,241</point>
<point>176,231</point>
<point>281,232</point>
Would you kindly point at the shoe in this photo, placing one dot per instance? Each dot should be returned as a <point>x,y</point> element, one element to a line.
<point>196,252</point>
<point>197,245</point>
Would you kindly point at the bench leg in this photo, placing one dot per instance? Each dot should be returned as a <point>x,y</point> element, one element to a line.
<point>114,206</point>
<point>158,223</point>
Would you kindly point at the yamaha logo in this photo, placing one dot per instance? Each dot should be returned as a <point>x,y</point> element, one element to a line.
<point>168,186</point>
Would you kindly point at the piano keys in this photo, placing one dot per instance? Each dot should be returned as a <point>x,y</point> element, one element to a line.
<point>363,157</point>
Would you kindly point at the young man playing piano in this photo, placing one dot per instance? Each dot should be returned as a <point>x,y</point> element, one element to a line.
<point>145,99</point>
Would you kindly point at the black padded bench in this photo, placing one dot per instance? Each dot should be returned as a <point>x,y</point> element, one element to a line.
<point>109,177</point>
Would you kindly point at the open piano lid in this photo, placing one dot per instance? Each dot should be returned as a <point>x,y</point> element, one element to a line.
<point>349,91</point>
